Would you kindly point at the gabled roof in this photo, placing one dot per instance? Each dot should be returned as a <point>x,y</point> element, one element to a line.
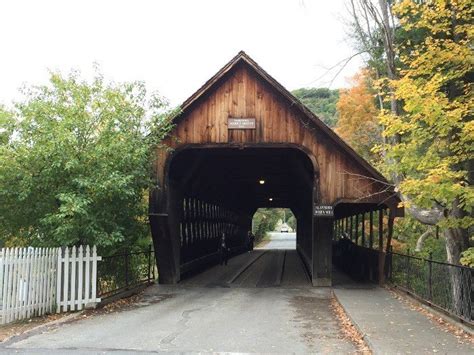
<point>243,57</point>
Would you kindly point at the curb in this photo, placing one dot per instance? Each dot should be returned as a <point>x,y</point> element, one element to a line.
<point>356,325</point>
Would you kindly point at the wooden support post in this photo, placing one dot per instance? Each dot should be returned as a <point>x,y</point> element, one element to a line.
<point>164,229</point>
<point>363,230</point>
<point>381,252</point>
<point>347,226</point>
<point>322,255</point>
<point>357,229</point>
<point>351,229</point>
<point>371,230</point>
<point>167,267</point>
<point>388,247</point>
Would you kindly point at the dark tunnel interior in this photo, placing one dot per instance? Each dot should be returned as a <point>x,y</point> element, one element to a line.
<point>215,190</point>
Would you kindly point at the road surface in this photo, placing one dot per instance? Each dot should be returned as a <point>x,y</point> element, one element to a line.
<point>281,241</point>
<point>261,302</point>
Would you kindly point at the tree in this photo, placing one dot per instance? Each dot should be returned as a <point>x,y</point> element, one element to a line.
<point>424,50</point>
<point>75,166</point>
<point>265,220</point>
<point>358,122</point>
<point>321,101</point>
<point>434,155</point>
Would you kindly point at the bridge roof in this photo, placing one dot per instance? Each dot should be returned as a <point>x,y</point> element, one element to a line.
<point>244,58</point>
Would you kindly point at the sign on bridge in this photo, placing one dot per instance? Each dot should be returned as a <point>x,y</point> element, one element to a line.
<point>323,211</point>
<point>241,123</point>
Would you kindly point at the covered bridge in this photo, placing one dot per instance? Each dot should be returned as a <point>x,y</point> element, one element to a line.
<point>242,142</point>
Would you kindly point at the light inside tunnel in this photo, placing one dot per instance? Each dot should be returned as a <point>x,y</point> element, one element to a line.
<point>261,182</point>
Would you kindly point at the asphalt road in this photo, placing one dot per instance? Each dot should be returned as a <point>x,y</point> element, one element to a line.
<point>281,241</point>
<point>260,302</point>
<point>196,319</point>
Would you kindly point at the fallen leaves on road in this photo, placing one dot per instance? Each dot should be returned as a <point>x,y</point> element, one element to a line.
<point>17,328</point>
<point>348,330</point>
<point>460,334</point>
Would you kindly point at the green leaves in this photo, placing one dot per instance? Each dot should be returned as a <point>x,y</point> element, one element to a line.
<point>75,163</point>
<point>321,101</point>
<point>434,152</point>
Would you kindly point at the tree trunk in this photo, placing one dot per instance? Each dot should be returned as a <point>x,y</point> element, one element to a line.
<point>457,240</point>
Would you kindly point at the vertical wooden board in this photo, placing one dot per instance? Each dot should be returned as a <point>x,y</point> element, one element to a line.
<point>37,281</point>
<point>14,303</point>
<point>22,285</point>
<point>241,106</point>
<point>267,117</point>
<point>2,269</point>
<point>227,111</point>
<point>59,281</point>
<point>65,285</point>
<point>53,278</point>
<point>73,277</point>
<point>80,269</point>
<point>213,117</point>
<point>42,281</point>
<point>339,174</point>
<point>29,283</point>
<point>250,98</point>
<point>47,272</point>
<point>94,273</point>
<point>271,118</point>
<point>6,286</point>
<point>45,280</point>
<point>221,112</point>
<point>259,112</point>
<point>205,122</point>
<point>87,295</point>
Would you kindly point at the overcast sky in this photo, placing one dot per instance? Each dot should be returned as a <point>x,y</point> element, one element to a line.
<point>174,46</point>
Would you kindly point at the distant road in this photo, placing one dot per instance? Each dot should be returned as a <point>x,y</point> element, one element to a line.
<point>281,241</point>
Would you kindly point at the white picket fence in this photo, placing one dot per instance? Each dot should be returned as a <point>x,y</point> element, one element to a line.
<point>77,278</point>
<point>36,281</point>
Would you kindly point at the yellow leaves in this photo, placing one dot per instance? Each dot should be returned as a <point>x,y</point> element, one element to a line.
<point>467,133</point>
<point>357,122</point>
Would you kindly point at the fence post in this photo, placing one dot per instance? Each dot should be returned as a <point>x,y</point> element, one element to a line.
<point>149,263</point>
<point>430,277</point>
<point>2,258</point>
<point>126,269</point>
<point>408,269</point>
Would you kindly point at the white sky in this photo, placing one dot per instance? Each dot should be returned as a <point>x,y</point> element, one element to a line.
<point>174,46</point>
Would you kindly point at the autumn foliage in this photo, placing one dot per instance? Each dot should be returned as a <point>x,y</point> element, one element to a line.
<point>358,123</point>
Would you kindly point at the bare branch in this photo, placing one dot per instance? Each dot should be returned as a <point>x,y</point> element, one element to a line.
<point>422,238</point>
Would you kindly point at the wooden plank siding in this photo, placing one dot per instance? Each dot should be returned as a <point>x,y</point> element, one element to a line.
<point>241,92</point>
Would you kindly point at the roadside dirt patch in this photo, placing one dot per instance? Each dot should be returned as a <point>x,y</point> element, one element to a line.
<point>141,299</point>
<point>17,328</point>
<point>136,301</point>
<point>348,330</point>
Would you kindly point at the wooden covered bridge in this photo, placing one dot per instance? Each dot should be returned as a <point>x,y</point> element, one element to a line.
<point>242,142</point>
